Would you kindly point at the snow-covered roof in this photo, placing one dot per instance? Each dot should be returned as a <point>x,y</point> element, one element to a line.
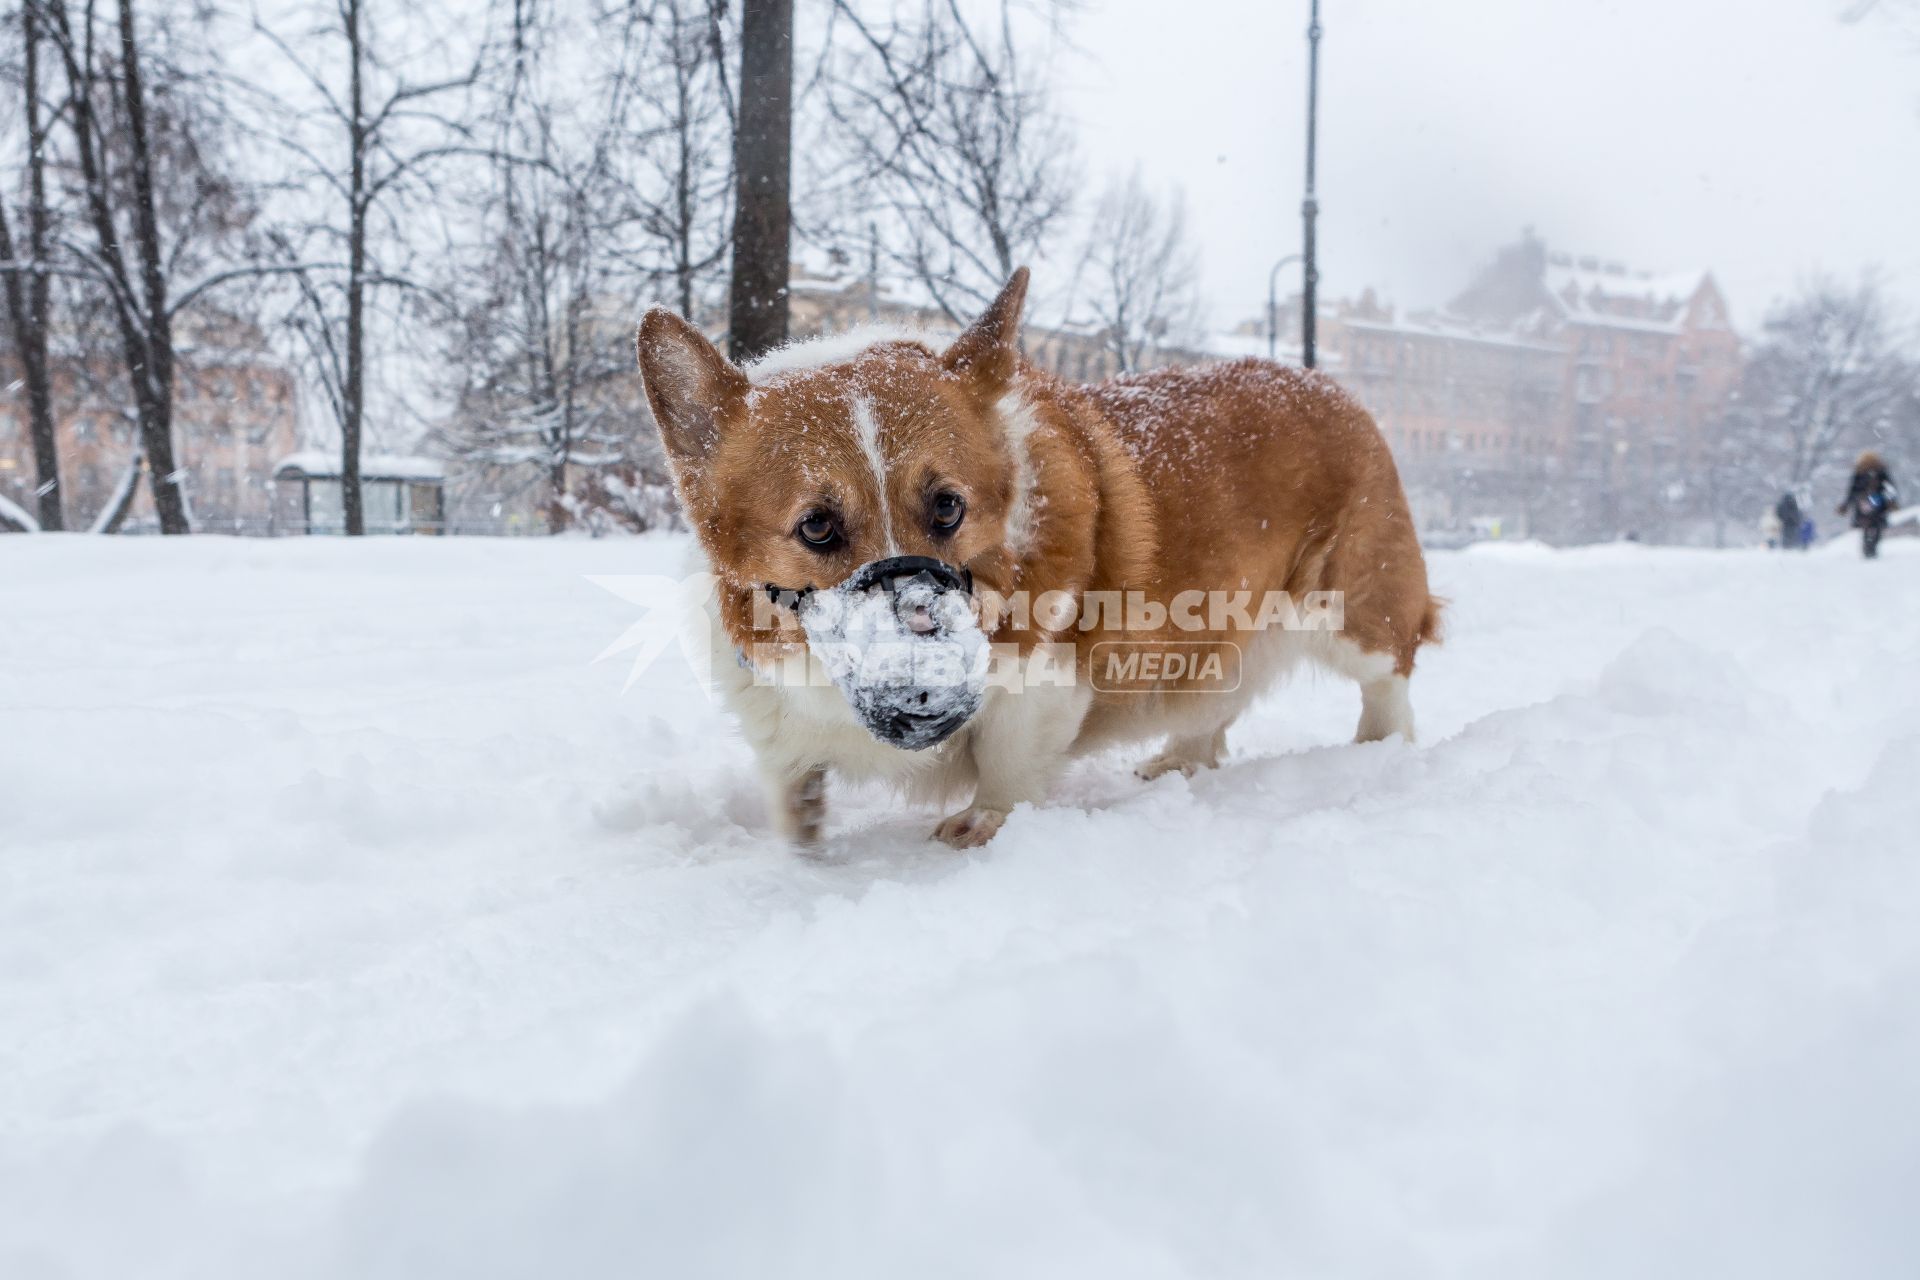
<point>801,284</point>
<point>1602,319</point>
<point>1588,293</point>
<point>1238,346</point>
<point>373,466</point>
<point>1433,326</point>
<point>1673,286</point>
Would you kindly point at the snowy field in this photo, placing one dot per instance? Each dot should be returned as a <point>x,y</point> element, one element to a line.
<point>355,923</point>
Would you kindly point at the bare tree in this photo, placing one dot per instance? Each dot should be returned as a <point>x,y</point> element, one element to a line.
<point>393,128</point>
<point>544,344</point>
<point>116,141</point>
<point>1138,275</point>
<point>94,383</point>
<point>1825,378</point>
<point>147,224</point>
<point>1735,481</point>
<point>953,139</point>
<point>671,186</point>
<point>28,278</point>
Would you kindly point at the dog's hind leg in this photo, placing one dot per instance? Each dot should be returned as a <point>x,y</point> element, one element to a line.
<point>1385,710</point>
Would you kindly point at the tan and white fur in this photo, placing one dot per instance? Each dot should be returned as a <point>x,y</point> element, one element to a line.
<point>1242,476</point>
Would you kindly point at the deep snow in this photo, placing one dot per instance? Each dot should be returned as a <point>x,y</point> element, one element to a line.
<point>354,923</point>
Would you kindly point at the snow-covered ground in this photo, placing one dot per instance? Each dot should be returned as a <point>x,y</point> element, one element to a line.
<point>354,923</point>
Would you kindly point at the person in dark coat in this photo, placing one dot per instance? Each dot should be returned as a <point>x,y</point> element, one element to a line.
<point>1871,498</point>
<point>1788,509</point>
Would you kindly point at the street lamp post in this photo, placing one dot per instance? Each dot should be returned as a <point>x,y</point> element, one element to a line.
<point>1310,207</point>
<point>1273,305</point>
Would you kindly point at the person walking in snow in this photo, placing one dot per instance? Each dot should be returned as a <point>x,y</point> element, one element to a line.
<point>1871,498</point>
<point>1787,510</point>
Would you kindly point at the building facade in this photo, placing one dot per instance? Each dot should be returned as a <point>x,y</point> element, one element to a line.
<point>235,413</point>
<point>1558,397</point>
<point>826,297</point>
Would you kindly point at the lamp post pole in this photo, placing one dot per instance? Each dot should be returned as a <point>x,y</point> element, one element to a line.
<point>1273,305</point>
<point>1310,207</point>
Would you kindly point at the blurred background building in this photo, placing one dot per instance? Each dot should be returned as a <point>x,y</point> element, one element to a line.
<point>1556,396</point>
<point>235,415</point>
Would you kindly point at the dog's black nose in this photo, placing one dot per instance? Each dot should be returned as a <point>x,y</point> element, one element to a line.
<point>896,572</point>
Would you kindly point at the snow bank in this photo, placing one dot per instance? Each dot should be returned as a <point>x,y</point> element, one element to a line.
<point>352,924</point>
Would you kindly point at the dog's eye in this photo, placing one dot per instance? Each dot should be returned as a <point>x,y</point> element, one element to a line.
<point>949,508</point>
<point>818,530</point>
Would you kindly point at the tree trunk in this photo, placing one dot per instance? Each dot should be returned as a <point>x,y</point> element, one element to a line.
<point>30,340</point>
<point>355,390</point>
<point>153,384</point>
<point>763,160</point>
<point>152,398</point>
<point>28,292</point>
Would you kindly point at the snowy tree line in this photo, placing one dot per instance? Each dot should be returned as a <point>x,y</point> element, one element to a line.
<point>1828,376</point>
<point>448,217</point>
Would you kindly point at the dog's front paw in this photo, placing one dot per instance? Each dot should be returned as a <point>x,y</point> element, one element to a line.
<point>970,828</point>
<point>1161,766</point>
<point>799,807</point>
<point>1171,762</point>
<point>1185,756</point>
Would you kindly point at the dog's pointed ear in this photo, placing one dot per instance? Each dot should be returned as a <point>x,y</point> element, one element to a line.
<point>691,387</point>
<point>990,348</point>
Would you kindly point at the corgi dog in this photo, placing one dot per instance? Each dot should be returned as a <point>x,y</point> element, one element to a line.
<point>1136,552</point>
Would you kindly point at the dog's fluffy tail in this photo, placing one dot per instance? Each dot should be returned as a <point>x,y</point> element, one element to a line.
<point>1431,629</point>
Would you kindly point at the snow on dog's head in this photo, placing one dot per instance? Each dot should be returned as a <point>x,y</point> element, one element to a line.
<point>800,476</point>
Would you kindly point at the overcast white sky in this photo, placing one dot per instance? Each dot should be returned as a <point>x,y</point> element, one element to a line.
<point>1761,138</point>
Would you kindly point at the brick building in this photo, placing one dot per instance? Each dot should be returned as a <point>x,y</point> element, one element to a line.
<point>1558,396</point>
<point>1651,361</point>
<point>234,414</point>
<point>827,297</point>
<point>1460,403</point>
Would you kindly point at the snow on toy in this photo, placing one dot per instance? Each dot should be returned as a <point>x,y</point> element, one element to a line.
<point>901,640</point>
